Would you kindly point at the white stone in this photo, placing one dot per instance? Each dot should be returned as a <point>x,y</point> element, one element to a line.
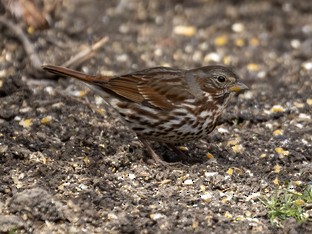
<point>238,27</point>
<point>188,182</point>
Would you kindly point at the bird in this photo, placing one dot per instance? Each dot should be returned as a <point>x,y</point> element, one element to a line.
<point>164,104</point>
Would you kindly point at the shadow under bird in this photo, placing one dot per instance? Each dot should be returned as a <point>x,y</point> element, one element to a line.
<point>163,104</point>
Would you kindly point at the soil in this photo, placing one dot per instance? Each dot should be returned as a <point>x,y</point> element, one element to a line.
<point>69,165</point>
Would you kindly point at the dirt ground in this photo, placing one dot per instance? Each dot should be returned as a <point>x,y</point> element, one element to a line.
<point>69,165</point>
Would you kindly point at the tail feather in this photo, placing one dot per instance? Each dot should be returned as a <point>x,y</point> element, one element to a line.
<point>72,73</point>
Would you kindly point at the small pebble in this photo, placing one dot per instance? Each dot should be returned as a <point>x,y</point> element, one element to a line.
<point>261,74</point>
<point>307,65</point>
<point>210,156</point>
<point>30,30</point>
<point>238,27</point>
<point>248,95</point>
<point>183,148</point>
<point>212,57</point>
<point>307,29</point>
<point>234,141</point>
<point>17,118</point>
<point>184,30</point>
<point>58,105</point>
<point>112,216</point>
<point>8,57</point>
<point>228,215</point>
<point>239,218</point>
<point>156,216</point>
<point>277,109</point>
<point>50,90</point>
<point>46,119</point>
<point>253,196</point>
<point>124,29</point>
<point>210,174</point>
<point>277,168</point>
<point>79,93</point>
<point>223,130</point>
<point>299,125</point>
<point>101,111</point>
<point>158,52</point>
<point>248,213</point>
<point>206,197</point>
<point>189,48</point>
<point>3,73</point>
<point>299,104</point>
<point>281,151</point>
<point>3,148</point>
<point>188,182</point>
<point>237,148</point>
<point>278,132</point>
<point>82,187</point>
<point>203,46</point>
<point>197,56</point>
<point>276,181</point>
<point>253,67</point>
<point>195,224</point>
<point>26,123</point>
<point>98,100</point>
<point>122,58</point>
<point>86,160</point>
<point>230,171</point>
<point>304,116</point>
<point>295,43</point>
<point>166,181</point>
<point>239,42</point>
<point>227,60</point>
<point>221,40</point>
<point>132,176</point>
<point>254,41</point>
<point>25,109</point>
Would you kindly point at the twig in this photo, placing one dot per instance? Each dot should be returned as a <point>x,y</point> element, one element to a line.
<point>85,54</point>
<point>28,46</point>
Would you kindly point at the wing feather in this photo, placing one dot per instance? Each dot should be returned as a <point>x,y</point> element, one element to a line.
<point>126,87</point>
<point>159,87</point>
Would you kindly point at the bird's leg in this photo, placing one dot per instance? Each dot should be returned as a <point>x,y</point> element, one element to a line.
<point>182,156</point>
<point>155,156</point>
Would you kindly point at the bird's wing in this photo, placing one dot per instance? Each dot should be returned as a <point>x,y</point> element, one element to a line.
<point>160,87</point>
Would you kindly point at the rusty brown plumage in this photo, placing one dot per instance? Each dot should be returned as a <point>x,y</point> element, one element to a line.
<point>165,104</point>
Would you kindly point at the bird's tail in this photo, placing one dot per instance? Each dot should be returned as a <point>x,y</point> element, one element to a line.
<point>75,74</point>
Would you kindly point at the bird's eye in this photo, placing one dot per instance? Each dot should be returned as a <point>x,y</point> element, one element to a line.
<point>221,79</point>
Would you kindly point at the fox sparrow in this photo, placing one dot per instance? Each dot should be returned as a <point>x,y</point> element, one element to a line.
<point>164,104</point>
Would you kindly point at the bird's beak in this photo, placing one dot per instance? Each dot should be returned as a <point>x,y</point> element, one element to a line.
<point>237,87</point>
